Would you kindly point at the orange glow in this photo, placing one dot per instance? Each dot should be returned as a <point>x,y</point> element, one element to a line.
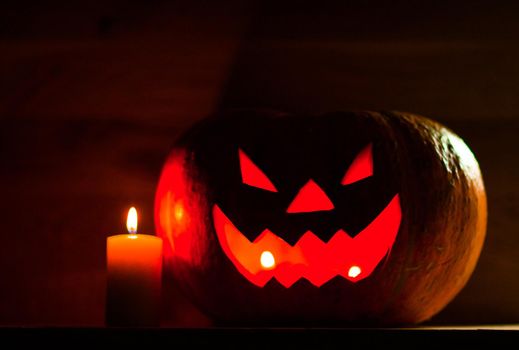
<point>361,168</point>
<point>267,260</point>
<point>251,175</point>
<point>131,221</point>
<point>310,257</point>
<point>134,256</point>
<point>178,208</point>
<point>310,198</point>
<point>179,211</point>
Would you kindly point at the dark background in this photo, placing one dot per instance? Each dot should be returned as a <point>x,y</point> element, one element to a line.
<point>92,95</point>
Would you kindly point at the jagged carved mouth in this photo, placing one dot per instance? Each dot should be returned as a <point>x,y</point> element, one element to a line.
<point>269,256</point>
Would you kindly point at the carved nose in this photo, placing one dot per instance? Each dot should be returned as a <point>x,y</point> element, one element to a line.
<point>310,198</point>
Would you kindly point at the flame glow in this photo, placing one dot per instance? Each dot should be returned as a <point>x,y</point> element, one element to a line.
<point>267,260</point>
<point>131,221</point>
<point>354,271</point>
<point>179,212</point>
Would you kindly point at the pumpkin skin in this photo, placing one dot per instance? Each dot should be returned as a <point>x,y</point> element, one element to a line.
<point>440,228</point>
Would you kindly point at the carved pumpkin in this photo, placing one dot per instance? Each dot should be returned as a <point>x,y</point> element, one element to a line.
<point>361,218</point>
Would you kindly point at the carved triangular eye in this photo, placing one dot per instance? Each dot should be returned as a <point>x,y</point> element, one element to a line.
<point>252,175</point>
<point>361,168</point>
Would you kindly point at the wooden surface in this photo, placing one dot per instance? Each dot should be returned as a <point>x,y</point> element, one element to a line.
<point>93,94</point>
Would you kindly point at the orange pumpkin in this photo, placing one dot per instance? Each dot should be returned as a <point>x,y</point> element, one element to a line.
<point>359,218</point>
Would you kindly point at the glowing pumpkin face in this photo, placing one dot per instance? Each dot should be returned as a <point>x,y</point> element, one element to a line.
<point>345,216</point>
<point>269,255</point>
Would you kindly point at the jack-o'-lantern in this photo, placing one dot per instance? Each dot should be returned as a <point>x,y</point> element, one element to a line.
<point>360,218</point>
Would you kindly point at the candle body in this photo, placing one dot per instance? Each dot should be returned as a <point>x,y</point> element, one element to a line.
<point>134,266</point>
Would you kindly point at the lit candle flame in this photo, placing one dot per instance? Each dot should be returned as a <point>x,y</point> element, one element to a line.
<point>267,260</point>
<point>354,271</point>
<point>131,221</point>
